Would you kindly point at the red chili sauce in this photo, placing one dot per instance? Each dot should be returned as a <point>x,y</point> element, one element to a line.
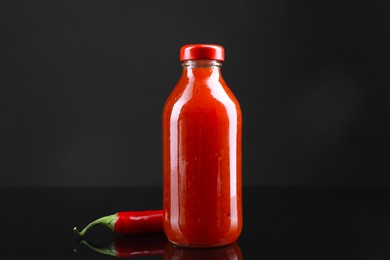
<point>202,160</point>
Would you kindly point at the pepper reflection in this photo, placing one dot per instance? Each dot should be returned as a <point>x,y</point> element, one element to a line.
<point>157,244</point>
<point>130,246</point>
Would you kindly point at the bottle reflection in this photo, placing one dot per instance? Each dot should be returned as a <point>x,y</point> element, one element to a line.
<point>232,252</point>
<point>158,245</point>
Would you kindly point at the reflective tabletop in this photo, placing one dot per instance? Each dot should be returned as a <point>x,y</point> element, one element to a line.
<point>279,223</point>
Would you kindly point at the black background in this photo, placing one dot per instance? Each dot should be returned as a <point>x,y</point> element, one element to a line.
<point>84,82</point>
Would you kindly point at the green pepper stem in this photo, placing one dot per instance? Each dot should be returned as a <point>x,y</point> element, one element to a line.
<point>108,221</point>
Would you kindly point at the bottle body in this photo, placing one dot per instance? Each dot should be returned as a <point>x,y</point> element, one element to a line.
<point>202,160</point>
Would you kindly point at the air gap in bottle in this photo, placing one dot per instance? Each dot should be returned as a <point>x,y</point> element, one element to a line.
<point>202,153</point>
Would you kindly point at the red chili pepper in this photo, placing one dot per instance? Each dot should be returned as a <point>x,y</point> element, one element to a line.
<point>130,222</point>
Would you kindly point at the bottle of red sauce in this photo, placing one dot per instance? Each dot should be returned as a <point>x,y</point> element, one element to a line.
<point>202,153</point>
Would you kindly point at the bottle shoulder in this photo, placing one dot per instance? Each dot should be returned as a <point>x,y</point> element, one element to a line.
<point>201,95</point>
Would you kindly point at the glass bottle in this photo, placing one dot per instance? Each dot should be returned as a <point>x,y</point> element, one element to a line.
<point>202,153</point>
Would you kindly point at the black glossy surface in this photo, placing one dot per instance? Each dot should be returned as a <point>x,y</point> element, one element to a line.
<point>279,223</point>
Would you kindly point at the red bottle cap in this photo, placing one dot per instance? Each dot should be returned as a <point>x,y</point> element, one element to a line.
<point>202,52</point>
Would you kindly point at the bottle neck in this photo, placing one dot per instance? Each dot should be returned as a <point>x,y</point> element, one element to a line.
<point>190,64</point>
<point>202,68</point>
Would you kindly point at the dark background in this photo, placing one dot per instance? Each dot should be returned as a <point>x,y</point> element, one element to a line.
<point>83,84</point>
